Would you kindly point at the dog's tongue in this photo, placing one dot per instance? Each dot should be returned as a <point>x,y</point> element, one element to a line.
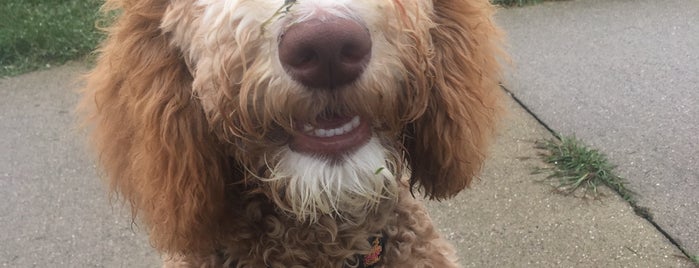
<point>331,136</point>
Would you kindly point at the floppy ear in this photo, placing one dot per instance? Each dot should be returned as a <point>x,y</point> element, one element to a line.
<point>447,144</point>
<point>152,136</point>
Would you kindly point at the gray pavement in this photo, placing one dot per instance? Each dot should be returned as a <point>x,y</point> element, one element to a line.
<point>511,219</point>
<point>54,211</point>
<point>623,76</point>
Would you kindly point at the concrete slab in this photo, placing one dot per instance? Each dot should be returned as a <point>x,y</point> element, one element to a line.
<point>623,77</point>
<point>511,219</point>
<point>54,211</point>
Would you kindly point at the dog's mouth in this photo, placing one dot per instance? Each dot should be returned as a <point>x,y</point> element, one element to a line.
<point>331,136</point>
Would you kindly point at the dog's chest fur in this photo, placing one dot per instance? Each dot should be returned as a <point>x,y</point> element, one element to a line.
<point>264,237</point>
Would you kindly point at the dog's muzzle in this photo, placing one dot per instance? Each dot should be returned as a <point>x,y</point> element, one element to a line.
<point>327,53</point>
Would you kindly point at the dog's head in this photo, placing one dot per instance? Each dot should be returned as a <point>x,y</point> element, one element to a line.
<point>322,105</point>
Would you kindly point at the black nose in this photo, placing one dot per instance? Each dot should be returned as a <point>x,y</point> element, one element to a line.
<point>325,54</point>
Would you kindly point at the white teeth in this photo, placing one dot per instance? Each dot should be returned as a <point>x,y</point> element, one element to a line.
<point>348,127</point>
<point>307,128</point>
<point>320,132</point>
<point>325,133</point>
<point>355,121</point>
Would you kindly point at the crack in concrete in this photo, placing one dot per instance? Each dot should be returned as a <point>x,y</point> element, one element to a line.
<point>642,212</point>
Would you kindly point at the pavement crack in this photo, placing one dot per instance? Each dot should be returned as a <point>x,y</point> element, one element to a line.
<point>642,212</point>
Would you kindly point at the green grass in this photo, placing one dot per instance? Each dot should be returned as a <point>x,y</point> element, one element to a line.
<point>37,33</point>
<point>575,167</point>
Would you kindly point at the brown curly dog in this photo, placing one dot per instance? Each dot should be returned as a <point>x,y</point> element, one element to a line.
<point>272,133</point>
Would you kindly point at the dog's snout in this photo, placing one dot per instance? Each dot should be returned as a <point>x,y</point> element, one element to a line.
<point>325,54</point>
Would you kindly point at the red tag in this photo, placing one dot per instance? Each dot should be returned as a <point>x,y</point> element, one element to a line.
<point>375,255</point>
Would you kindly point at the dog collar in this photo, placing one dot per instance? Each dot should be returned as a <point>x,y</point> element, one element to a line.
<point>378,245</point>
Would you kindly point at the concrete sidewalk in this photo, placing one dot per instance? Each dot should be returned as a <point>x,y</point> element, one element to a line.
<point>55,212</point>
<point>622,76</point>
<point>511,219</point>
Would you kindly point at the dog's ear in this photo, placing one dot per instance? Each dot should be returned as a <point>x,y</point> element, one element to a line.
<point>447,144</point>
<point>152,136</point>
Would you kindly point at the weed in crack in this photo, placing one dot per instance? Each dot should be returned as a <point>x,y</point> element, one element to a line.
<point>577,167</point>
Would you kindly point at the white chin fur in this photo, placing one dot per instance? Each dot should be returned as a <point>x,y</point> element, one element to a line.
<point>314,186</point>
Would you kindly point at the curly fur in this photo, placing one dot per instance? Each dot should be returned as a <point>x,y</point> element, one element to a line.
<point>189,114</point>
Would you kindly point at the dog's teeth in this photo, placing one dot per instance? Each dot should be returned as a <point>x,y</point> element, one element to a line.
<point>307,128</point>
<point>331,132</point>
<point>325,133</point>
<point>341,130</point>
<point>320,133</point>
<point>355,121</point>
<point>349,126</point>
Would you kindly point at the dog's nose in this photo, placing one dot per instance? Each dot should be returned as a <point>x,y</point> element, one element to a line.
<point>325,54</point>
